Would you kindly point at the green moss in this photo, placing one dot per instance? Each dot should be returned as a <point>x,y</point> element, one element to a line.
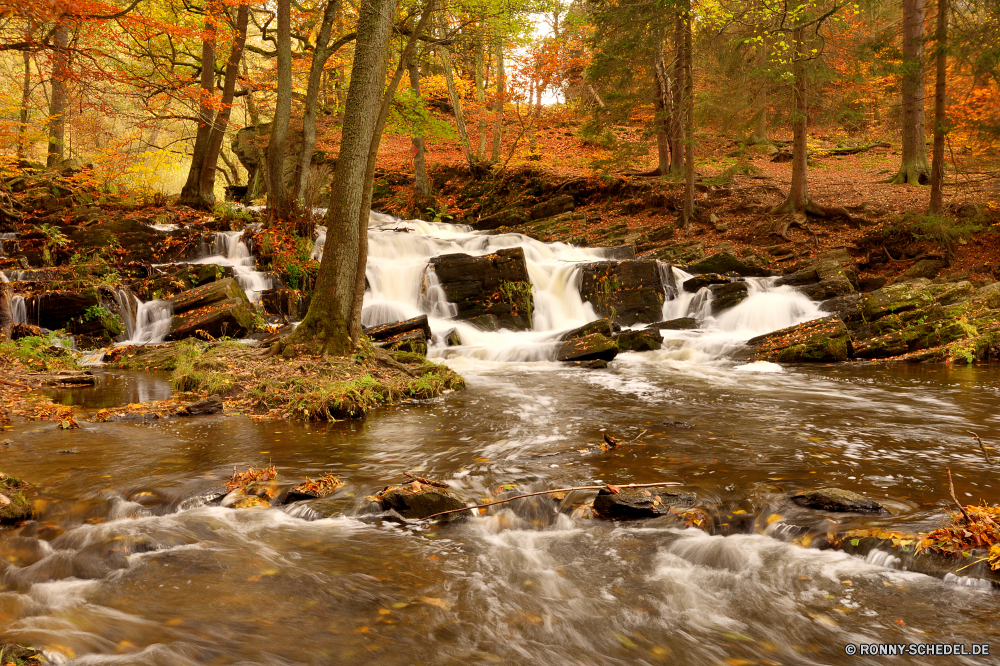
<point>519,296</point>
<point>39,353</point>
<point>17,507</point>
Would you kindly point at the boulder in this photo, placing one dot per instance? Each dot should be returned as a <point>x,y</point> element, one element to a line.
<point>551,207</point>
<point>414,341</point>
<point>311,490</point>
<point>388,331</point>
<point>511,217</point>
<point>209,405</point>
<point>415,501</point>
<point>452,338</point>
<point>588,348</point>
<point>724,262</point>
<point>910,338</point>
<point>837,500</point>
<point>56,309</point>
<point>692,285</point>
<point>232,318</point>
<point>895,298</point>
<point>602,326</point>
<point>207,295</point>
<point>629,291</point>
<point>634,503</point>
<point>822,280</point>
<point>725,296</point>
<point>495,284</point>
<point>683,253</point>
<point>596,364</point>
<point>847,307</point>
<point>620,252</point>
<point>679,324</point>
<point>925,268</point>
<point>14,505</point>
<point>639,340</point>
<point>821,340</point>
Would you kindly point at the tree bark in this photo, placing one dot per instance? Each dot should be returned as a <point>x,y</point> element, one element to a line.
<point>456,101</point>
<point>758,134</point>
<point>914,169</point>
<point>481,96</point>
<point>191,193</point>
<point>940,118</point>
<point>221,124</point>
<point>6,315</point>
<point>59,98</point>
<point>661,105</point>
<point>798,193</point>
<point>331,318</point>
<point>22,129</point>
<point>676,131</point>
<point>420,183</point>
<point>496,153</point>
<point>320,55</point>
<point>279,202</point>
<point>688,213</point>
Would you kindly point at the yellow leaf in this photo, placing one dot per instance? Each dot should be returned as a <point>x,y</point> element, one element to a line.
<point>432,601</point>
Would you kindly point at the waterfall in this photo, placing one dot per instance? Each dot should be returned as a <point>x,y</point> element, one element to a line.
<point>228,249</point>
<point>152,323</point>
<point>125,300</point>
<point>18,309</point>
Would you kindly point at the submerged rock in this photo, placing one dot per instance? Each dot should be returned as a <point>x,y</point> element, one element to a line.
<point>602,326</point>
<point>418,500</point>
<point>821,340</point>
<point>14,506</point>
<point>634,503</point>
<point>837,500</point>
<point>588,348</point>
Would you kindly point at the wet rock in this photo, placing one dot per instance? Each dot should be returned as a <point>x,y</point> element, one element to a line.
<point>14,505</point>
<point>233,318</point>
<point>21,655</point>
<point>596,364</point>
<point>725,296</point>
<point>486,322</point>
<point>415,501</point>
<point>910,338</point>
<point>414,342</point>
<point>847,307</point>
<point>452,338</point>
<point>676,424</point>
<point>209,405</point>
<point>836,499</point>
<point>633,503</point>
<point>310,489</point>
<point>283,301</point>
<point>692,285</point>
<point>389,331</point>
<point>683,253</point>
<point>724,262</point>
<point>208,295</point>
<point>925,268</point>
<point>629,291</point>
<point>822,280</point>
<point>588,348</point>
<point>58,309</point>
<point>551,207</point>
<point>639,340</point>
<point>494,284</point>
<point>895,298</point>
<point>512,217</point>
<point>820,340</point>
<point>602,326</point>
<point>620,252</point>
<point>679,324</point>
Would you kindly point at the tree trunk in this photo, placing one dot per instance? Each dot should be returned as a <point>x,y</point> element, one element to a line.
<point>191,193</point>
<point>58,101</point>
<point>798,193</point>
<point>676,131</point>
<point>532,142</point>
<point>256,181</point>
<point>6,315</point>
<point>914,169</point>
<point>329,322</point>
<point>279,202</point>
<point>496,153</point>
<point>420,183</point>
<point>758,134</point>
<point>221,124</point>
<point>940,119</point>
<point>320,55</point>
<point>661,104</point>
<point>481,96</point>
<point>688,213</point>
<point>22,129</point>
<point>456,101</point>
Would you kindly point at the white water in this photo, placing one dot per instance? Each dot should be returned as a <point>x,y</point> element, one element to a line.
<point>19,309</point>
<point>228,249</point>
<point>401,286</point>
<point>152,323</point>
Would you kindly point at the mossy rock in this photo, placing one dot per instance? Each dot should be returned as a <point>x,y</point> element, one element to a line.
<point>837,500</point>
<point>14,506</point>
<point>419,503</point>
<point>896,298</point>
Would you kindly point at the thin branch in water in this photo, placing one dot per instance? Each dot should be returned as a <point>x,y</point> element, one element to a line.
<point>951,487</point>
<point>615,489</point>
<point>985,452</point>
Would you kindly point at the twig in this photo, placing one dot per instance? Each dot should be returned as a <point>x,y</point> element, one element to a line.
<point>7,383</point>
<point>951,487</point>
<point>895,261</point>
<point>981,559</point>
<point>426,482</point>
<point>557,490</point>
<point>637,438</point>
<point>985,452</point>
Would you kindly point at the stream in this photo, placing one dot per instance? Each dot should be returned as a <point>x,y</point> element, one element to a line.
<point>126,564</point>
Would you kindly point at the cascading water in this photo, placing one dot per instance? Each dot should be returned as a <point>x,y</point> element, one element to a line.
<point>127,310</point>
<point>152,323</point>
<point>228,249</point>
<point>18,309</point>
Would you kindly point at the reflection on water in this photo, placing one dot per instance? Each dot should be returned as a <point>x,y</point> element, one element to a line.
<point>114,387</point>
<point>119,568</point>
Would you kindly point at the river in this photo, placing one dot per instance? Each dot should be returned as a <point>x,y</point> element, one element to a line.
<point>125,565</point>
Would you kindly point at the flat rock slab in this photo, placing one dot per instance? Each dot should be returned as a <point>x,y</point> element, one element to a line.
<point>232,318</point>
<point>821,340</point>
<point>639,340</point>
<point>725,262</point>
<point>602,326</point>
<point>588,348</point>
<point>679,324</point>
<point>635,503</point>
<point>387,331</point>
<point>837,500</point>
<point>415,504</point>
<point>206,295</point>
<point>209,405</point>
<point>692,285</point>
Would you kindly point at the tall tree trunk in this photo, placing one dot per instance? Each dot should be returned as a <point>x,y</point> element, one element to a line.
<point>758,133</point>
<point>191,192</point>
<point>481,95</point>
<point>914,169</point>
<point>456,100</point>
<point>676,131</point>
<point>6,314</point>
<point>496,153</point>
<point>59,99</point>
<point>22,129</point>
<point>688,213</point>
<point>327,326</point>
<point>221,124</point>
<point>320,55</point>
<point>278,199</point>
<point>798,193</point>
<point>940,119</point>
<point>532,142</point>
<point>661,104</point>
<point>256,181</point>
<point>420,183</point>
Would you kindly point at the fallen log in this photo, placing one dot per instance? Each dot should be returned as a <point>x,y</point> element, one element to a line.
<point>786,156</point>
